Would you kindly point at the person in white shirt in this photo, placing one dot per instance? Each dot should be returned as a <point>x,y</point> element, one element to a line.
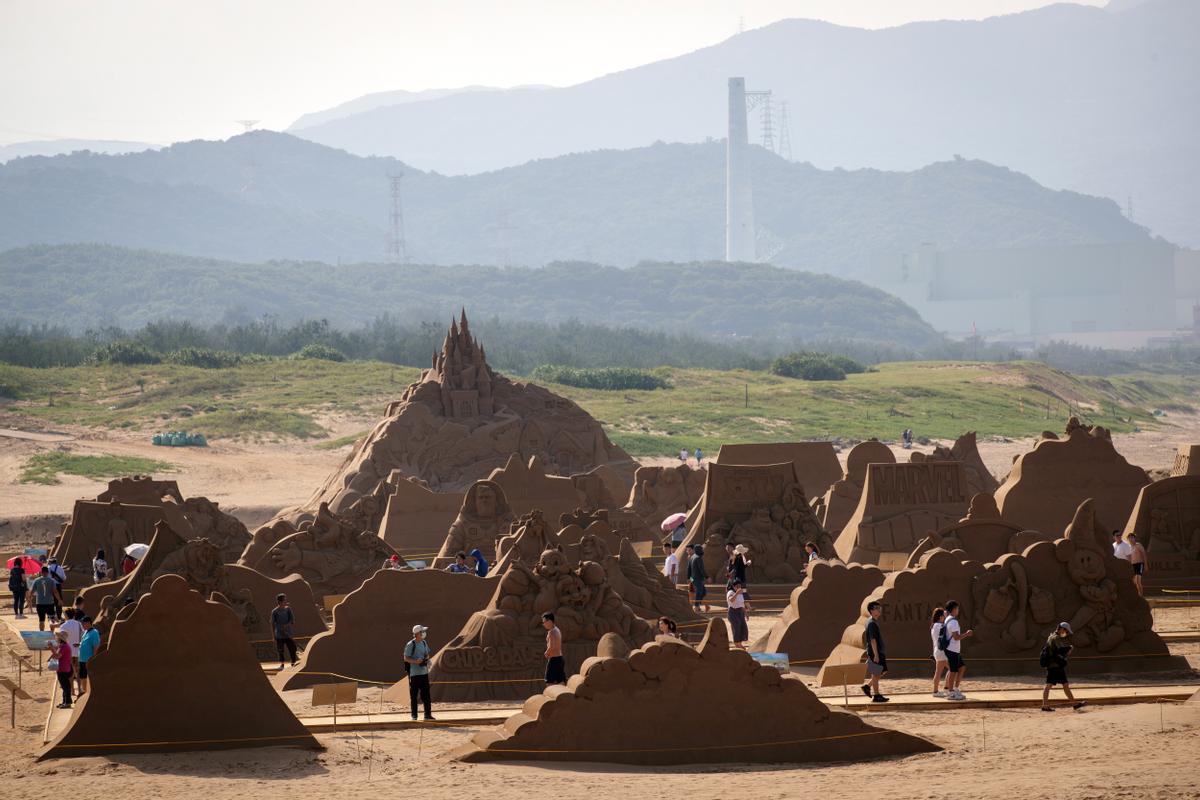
<point>735,598</point>
<point>954,661</point>
<point>1121,548</point>
<point>671,563</point>
<point>73,628</point>
<point>940,664</point>
<point>683,455</point>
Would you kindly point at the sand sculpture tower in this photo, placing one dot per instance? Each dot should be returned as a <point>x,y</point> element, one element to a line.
<point>739,193</point>
<point>461,370</point>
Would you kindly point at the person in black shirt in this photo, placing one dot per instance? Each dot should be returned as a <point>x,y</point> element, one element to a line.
<point>282,620</point>
<point>876,657</point>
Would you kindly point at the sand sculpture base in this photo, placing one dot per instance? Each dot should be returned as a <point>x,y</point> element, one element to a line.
<point>655,708</point>
<point>153,691</point>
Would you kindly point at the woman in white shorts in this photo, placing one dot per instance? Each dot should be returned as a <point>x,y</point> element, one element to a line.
<point>940,662</point>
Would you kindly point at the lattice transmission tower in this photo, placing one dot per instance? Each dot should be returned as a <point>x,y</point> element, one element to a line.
<point>397,246</point>
<point>785,133</point>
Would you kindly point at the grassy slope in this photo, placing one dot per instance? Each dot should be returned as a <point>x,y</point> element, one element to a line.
<point>703,408</point>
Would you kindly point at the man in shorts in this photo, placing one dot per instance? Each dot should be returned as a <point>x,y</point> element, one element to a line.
<point>876,658</point>
<point>45,597</point>
<point>1137,560</point>
<point>956,667</point>
<point>556,665</point>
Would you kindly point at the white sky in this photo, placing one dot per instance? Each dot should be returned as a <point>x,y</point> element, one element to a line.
<point>168,70</point>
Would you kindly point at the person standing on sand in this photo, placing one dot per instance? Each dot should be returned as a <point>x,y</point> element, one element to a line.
<point>1121,548</point>
<point>62,651</point>
<point>670,563</point>
<point>16,585</point>
<point>416,660</point>
<point>1137,560</point>
<point>699,457</point>
<point>956,667</point>
<point>697,576</point>
<point>45,593</point>
<point>876,657</point>
<point>683,455</point>
<point>282,620</point>
<point>1054,659</point>
<point>87,648</point>
<point>556,665</point>
<point>735,599</point>
<point>73,628</point>
<point>937,623</point>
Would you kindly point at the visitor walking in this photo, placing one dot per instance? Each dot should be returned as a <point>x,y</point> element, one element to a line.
<point>128,563</point>
<point>876,656</point>
<point>699,458</point>
<point>87,649</point>
<point>59,576</point>
<point>480,563</point>
<point>16,585</point>
<point>416,663</point>
<point>667,627</point>
<point>697,577</point>
<point>459,567</point>
<point>1054,659</point>
<point>735,599</point>
<point>556,665</point>
<point>1137,560</point>
<point>937,627</point>
<point>1121,548</point>
<point>282,625</point>
<point>99,568</point>
<point>45,595</point>
<point>735,569</point>
<point>73,628</point>
<point>670,563</point>
<point>62,653</point>
<point>683,456</point>
<point>955,666</point>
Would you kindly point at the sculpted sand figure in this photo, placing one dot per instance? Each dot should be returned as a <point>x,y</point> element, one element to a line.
<point>1086,555</point>
<point>526,539</point>
<point>485,516</point>
<point>771,547</point>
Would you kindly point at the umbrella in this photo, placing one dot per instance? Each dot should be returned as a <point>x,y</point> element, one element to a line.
<point>674,521</point>
<point>31,565</point>
<point>138,551</point>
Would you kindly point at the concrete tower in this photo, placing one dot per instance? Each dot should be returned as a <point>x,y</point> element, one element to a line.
<point>739,193</point>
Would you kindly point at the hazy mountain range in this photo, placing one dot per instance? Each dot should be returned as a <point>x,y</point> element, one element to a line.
<point>1101,101</point>
<point>53,147</point>
<point>265,195</point>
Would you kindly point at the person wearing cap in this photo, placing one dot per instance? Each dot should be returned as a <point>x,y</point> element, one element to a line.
<point>393,562</point>
<point>282,620</point>
<point>416,662</point>
<point>1058,647</point>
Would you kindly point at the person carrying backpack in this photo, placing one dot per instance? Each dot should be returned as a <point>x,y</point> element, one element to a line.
<point>954,635</point>
<point>876,658</point>
<point>416,664</point>
<point>937,633</point>
<point>1054,659</point>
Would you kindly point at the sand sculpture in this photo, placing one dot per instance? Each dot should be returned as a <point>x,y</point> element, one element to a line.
<point>151,691</point>
<point>328,552</point>
<point>1014,603</point>
<point>764,508</point>
<point>1166,519</point>
<point>1187,461</point>
<point>835,508</point>
<point>248,593</point>
<point>816,463</point>
<point>374,622</point>
<point>140,490</point>
<point>459,422</point>
<point>643,710</point>
<point>659,492</point>
<point>1047,483</point>
<point>484,517</point>
<point>900,505</point>
<point>966,450</point>
<point>498,654</point>
<point>205,516</point>
<point>819,611</point>
<point>416,518</point>
<point>979,536</point>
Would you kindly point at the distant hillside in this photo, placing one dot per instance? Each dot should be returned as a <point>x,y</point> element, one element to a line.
<point>267,195</point>
<point>1102,101</point>
<point>369,102</point>
<point>54,147</point>
<point>90,285</point>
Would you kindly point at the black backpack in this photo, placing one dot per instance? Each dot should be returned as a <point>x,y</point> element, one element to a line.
<point>1044,658</point>
<point>943,640</point>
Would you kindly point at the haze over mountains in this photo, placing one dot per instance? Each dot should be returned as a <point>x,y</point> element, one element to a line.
<point>265,195</point>
<point>1089,99</point>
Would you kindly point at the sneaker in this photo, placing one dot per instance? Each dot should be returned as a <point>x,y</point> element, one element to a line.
<point>1047,708</point>
<point>939,693</point>
<point>879,699</point>
<point>956,695</point>
<point>430,718</point>
<point>63,705</point>
<point>1079,705</point>
<point>866,689</point>
<point>414,716</point>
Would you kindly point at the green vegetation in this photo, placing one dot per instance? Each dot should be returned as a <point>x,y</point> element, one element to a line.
<point>320,351</point>
<point>123,352</point>
<point>205,357</point>
<point>609,379</point>
<point>339,443</point>
<point>287,398</point>
<point>45,468</point>
<point>811,366</point>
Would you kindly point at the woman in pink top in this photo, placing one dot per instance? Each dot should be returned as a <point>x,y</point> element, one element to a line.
<point>62,651</point>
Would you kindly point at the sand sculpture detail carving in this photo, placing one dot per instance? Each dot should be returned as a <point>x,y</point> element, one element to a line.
<point>484,517</point>
<point>374,622</point>
<point>816,463</point>
<point>498,655</point>
<point>835,508</point>
<point>1047,483</point>
<point>659,492</point>
<point>980,536</point>
<point>900,504</point>
<point>459,422</point>
<point>1166,519</point>
<point>1187,461</point>
<point>965,450</point>
<point>1014,603</point>
<point>225,701</point>
<point>643,710</point>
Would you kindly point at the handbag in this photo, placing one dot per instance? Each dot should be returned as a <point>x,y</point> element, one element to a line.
<point>52,664</point>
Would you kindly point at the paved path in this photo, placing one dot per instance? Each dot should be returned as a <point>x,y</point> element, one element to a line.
<point>36,436</point>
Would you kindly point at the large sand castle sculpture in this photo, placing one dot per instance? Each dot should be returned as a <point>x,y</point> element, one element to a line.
<point>374,622</point>
<point>837,505</point>
<point>153,690</point>
<point>899,506</point>
<point>1166,519</point>
<point>455,425</point>
<point>656,707</point>
<point>819,611</point>
<point>979,536</point>
<point>1013,604</point>
<point>1051,480</point>
<point>126,514</point>
<point>498,655</point>
<point>248,593</point>
<point>659,492</point>
<point>816,463</point>
<point>1187,461</point>
<point>764,508</point>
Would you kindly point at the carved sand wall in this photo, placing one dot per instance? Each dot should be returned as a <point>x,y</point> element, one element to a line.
<point>837,505</point>
<point>980,536</point>
<point>1166,519</point>
<point>816,463</point>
